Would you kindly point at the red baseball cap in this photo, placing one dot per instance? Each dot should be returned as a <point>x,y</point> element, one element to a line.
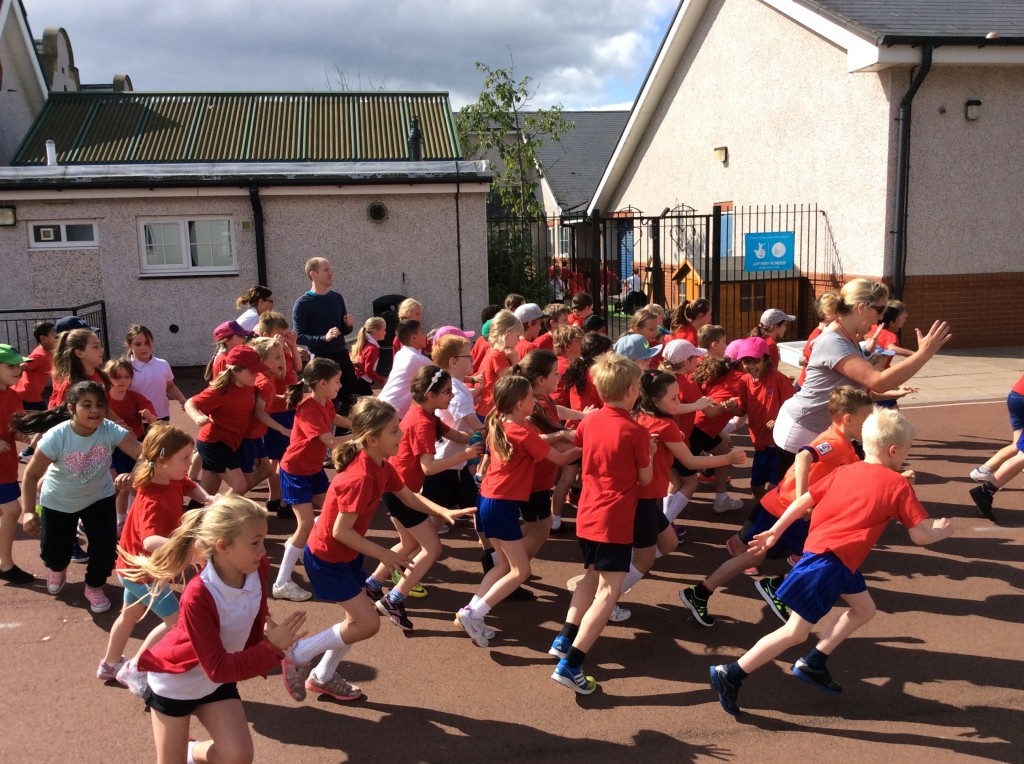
<point>247,358</point>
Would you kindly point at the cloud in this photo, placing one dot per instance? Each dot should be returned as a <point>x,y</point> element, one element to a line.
<point>580,54</point>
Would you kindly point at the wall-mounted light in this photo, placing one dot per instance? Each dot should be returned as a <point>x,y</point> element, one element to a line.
<point>972,110</point>
<point>721,154</point>
<point>8,217</point>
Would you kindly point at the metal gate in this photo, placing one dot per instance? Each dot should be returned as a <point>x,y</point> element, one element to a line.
<point>16,325</point>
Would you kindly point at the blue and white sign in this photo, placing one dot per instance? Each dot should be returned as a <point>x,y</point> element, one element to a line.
<point>771,251</point>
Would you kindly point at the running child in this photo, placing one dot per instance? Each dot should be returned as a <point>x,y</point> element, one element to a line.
<point>772,328</point>
<point>825,312</point>
<point>848,408</point>
<point>565,343</point>
<point>616,462</point>
<point>407,362</point>
<point>226,337</point>
<point>418,540</point>
<point>161,485</point>
<point>224,412</point>
<point>275,442</point>
<point>37,368</point>
<point>850,509</point>
<point>134,412</point>
<point>303,480</point>
<point>152,376</point>
<point>10,491</point>
<point>73,462</point>
<point>505,331</point>
<point>224,634</point>
<point>366,353</point>
<point>77,357</point>
<point>254,462</point>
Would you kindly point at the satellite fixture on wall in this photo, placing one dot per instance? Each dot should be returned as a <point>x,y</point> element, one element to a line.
<point>972,110</point>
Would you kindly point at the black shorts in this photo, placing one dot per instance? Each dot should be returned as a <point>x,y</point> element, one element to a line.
<point>681,470</point>
<point>407,516</point>
<point>701,441</point>
<point>453,489</point>
<point>612,558</point>
<point>537,507</point>
<point>218,458</point>
<point>648,522</point>
<point>179,708</point>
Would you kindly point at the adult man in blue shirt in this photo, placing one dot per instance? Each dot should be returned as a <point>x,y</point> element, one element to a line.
<point>321,322</point>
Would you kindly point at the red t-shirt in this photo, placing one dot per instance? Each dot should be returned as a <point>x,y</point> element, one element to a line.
<point>128,408</point>
<point>230,411</point>
<point>575,320</point>
<point>305,453</point>
<point>853,506</point>
<point>773,350</point>
<point>546,471</point>
<point>667,431</point>
<point>265,390</point>
<point>885,340</point>
<point>580,401</point>
<point>156,511</point>
<point>494,362</point>
<point>686,332</point>
<point>479,351</point>
<point>561,395</point>
<point>808,346</point>
<point>545,342</point>
<point>1019,387</point>
<point>277,403</point>
<point>60,389</point>
<point>358,488</point>
<point>719,390</point>
<point>420,433</point>
<point>688,393</point>
<point>761,399</point>
<point>829,451</point>
<point>220,362</point>
<point>513,479</point>
<point>366,366</point>
<point>35,375</point>
<point>10,403</point>
<point>525,346</point>
<point>615,448</point>
<point>290,375</point>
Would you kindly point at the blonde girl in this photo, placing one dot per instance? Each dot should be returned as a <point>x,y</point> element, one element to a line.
<point>303,480</point>
<point>161,484</point>
<point>152,376</point>
<point>336,548</point>
<point>223,412</point>
<point>366,353</point>
<point>224,634</point>
<point>409,310</point>
<point>418,539</point>
<point>501,356</point>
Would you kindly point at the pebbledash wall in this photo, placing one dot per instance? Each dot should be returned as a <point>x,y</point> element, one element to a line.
<point>801,129</point>
<point>413,252</point>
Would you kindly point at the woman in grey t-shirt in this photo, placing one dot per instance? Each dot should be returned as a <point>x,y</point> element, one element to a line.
<point>836,360</point>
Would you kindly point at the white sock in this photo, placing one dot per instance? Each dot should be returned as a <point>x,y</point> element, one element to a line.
<point>191,745</point>
<point>722,496</point>
<point>310,647</point>
<point>329,663</point>
<point>288,560</point>
<point>479,609</point>
<point>675,503</point>
<point>556,522</point>
<point>494,556</point>
<point>631,578</point>
<point>473,601</point>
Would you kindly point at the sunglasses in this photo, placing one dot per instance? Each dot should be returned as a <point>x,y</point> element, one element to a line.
<point>879,309</point>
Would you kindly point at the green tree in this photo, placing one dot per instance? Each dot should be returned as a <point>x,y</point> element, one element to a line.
<point>502,124</point>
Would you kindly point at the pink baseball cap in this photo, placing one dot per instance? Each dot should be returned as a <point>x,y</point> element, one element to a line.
<point>752,347</point>
<point>453,330</point>
<point>230,329</point>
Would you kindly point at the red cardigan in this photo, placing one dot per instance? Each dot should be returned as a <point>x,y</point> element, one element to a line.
<point>195,639</point>
<point>366,366</point>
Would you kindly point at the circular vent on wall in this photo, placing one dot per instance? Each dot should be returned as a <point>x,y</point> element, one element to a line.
<point>377,212</point>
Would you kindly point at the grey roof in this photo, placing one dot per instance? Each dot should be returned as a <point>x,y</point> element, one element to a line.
<point>573,166</point>
<point>950,22</point>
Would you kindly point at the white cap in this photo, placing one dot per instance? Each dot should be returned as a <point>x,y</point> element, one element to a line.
<point>774,317</point>
<point>529,311</point>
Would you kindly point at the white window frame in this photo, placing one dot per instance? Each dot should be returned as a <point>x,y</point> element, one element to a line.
<point>64,243</point>
<point>186,268</point>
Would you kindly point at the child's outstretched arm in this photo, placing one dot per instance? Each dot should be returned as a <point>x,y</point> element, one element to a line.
<point>432,466</point>
<point>931,530</point>
<point>423,504</point>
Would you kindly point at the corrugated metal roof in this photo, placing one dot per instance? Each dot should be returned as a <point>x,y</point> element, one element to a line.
<point>100,128</point>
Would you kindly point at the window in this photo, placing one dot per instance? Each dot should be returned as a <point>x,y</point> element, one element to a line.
<point>752,297</point>
<point>202,245</point>
<point>565,241</point>
<point>65,235</point>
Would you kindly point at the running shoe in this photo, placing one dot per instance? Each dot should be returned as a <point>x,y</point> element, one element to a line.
<point>574,679</point>
<point>136,681</point>
<point>728,693</point>
<point>417,592</point>
<point>55,580</point>
<point>395,611</point>
<point>978,474</point>
<point>474,627</point>
<point>560,647</point>
<point>374,594</point>
<point>620,614</point>
<point>108,671</point>
<point>15,575</point>
<point>983,500</point>
<point>820,678</point>
<point>767,587</point>
<point>336,687</point>
<point>697,606</point>
<point>294,675</point>
<point>290,591</point>
<point>98,600</point>
<point>726,504</point>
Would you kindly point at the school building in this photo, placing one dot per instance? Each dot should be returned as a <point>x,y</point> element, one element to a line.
<point>772,104</point>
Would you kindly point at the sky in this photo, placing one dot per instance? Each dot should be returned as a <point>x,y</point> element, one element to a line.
<point>581,54</point>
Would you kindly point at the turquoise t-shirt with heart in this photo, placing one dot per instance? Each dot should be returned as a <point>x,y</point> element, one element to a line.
<point>80,473</point>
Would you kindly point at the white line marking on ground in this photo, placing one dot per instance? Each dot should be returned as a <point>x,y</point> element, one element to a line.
<point>953,403</point>
<point>9,625</point>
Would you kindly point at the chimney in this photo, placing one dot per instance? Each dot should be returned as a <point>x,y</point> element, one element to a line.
<point>51,154</point>
<point>415,141</point>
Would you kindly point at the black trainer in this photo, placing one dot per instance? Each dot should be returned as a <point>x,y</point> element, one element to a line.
<point>15,575</point>
<point>820,678</point>
<point>983,500</point>
<point>697,606</point>
<point>374,594</point>
<point>394,611</point>
<point>728,693</point>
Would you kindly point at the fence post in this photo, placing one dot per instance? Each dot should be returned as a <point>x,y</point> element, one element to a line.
<point>657,272</point>
<point>597,261</point>
<point>716,262</point>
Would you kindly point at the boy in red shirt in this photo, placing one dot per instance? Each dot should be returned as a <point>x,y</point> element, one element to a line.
<point>848,408</point>
<point>616,462</point>
<point>37,367</point>
<point>531,317</point>
<point>851,509</point>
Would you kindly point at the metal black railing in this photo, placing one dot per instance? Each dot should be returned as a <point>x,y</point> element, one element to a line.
<point>16,325</point>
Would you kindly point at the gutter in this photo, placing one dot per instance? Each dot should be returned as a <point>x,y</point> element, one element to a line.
<point>899,233</point>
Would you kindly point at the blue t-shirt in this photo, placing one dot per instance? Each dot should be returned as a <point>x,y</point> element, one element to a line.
<point>80,473</point>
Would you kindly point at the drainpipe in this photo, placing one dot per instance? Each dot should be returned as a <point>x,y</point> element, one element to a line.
<point>261,244</point>
<point>458,239</point>
<point>899,234</point>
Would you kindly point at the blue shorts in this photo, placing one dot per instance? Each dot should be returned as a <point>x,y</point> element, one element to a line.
<point>793,539</point>
<point>161,601</point>
<point>498,519</point>
<point>300,489</point>
<point>9,492</point>
<point>1015,404</point>
<point>249,453</point>
<point>121,462</point>
<point>766,467</point>
<point>334,581</point>
<point>815,583</point>
<point>274,442</point>
<point>889,403</point>
<point>218,458</point>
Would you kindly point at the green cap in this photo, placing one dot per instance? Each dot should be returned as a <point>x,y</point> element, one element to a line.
<point>11,356</point>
